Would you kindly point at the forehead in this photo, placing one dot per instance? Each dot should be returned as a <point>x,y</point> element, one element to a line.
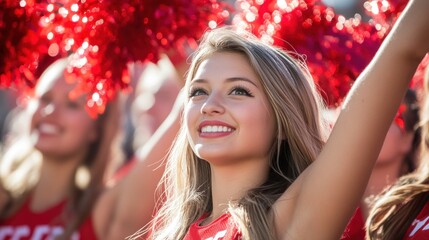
<point>53,79</point>
<point>59,88</point>
<point>224,65</point>
<point>53,83</point>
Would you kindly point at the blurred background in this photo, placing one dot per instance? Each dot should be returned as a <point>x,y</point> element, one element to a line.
<point>8,97</point>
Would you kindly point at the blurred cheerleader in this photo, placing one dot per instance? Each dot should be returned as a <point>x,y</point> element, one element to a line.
<point>402,211</point>
<point>54,178</point>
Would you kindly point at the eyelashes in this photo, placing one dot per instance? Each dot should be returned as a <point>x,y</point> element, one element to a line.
<point>47,99</point>
<point>241,90</point>
<point>236,90</point>
<point>196,91</point>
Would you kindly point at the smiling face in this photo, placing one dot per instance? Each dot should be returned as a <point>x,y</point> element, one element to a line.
<point>60,126</point>
<point>227,115</point>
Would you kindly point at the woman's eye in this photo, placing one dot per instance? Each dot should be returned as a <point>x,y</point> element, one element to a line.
<point>241,91</point>
<point>197,92</point>
<point>73,105</point>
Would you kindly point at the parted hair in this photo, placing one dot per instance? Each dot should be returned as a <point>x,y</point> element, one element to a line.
<point>301,133</point>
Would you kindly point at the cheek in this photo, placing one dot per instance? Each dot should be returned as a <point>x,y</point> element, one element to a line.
<point>191,115</point>
<point>264,127</point>
<point>190,120</point>
<point>258,118</point>
<point>259,127</point>
<point>92,132</point>
<point>84,127</point>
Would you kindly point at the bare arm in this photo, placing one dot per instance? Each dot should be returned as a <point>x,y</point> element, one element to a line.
<point>128,206</point>
<point>323,198</point>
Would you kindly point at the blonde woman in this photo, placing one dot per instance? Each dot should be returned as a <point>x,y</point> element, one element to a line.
<point>248,162</point>
<point>402,211</point>
<point>40,197</point>
<point>397,157</point>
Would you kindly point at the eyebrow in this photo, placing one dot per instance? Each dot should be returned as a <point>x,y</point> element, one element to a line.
<point>232,79</point>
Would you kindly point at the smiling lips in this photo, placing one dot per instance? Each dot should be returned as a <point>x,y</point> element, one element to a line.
<point>48,129</point>
<point>215,129</point>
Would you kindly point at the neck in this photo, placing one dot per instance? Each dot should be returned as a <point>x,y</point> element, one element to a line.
<point>231,183</point>
<point>382,176</point>
<point>56,178</point>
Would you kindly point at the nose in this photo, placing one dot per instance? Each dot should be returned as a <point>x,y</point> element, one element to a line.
<point>47,110</point>
<point>213,105</point>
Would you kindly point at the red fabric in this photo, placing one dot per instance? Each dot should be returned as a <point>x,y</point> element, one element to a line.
<point>26,225</point>
<point>124,170</point>
<point>222,228</point>
<point>355,229</point>
<point>105,35</point>
<point>419,229</point>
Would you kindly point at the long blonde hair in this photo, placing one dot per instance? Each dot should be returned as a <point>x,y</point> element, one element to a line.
<point>396,208</point>
<point>300,135</point>
<point>20,165</point>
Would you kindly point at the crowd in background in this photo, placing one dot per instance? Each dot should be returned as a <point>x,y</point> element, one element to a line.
<point>128,149</point>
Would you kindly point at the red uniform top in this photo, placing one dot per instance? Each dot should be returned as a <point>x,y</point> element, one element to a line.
<point>355,229</point>
<point>222,228</point>
<point>26,224</point>
<point>419,229</point>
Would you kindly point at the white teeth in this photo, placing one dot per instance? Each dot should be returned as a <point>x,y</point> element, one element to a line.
<point>216,129</point>
<point>48,128</point>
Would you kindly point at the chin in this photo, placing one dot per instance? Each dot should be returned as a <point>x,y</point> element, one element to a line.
<point>214,158</point>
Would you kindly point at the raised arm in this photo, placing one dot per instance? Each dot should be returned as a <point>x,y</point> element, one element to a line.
<point>323,198</point>
<point>129,205</point>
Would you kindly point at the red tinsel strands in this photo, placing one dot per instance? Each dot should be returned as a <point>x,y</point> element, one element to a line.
<point>21,49</point>
<point>384,13</point>
<point>109,34</point>
<point>399,118</point>
<point>136,31</point>
<point>106,35</point>
<point>336,49</point>
<point>417,82</point>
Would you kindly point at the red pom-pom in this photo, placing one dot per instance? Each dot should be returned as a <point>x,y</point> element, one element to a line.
<point>103,35</point>
<point>336,49</point>
<point>384,13</point>
<point>21,48</point>
<point>118,32</point>
<point>417,82</point>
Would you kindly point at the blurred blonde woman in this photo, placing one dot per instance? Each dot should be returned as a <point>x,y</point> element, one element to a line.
<point>402,211</point>
<point>397,158</point>
<point>41,197</point>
